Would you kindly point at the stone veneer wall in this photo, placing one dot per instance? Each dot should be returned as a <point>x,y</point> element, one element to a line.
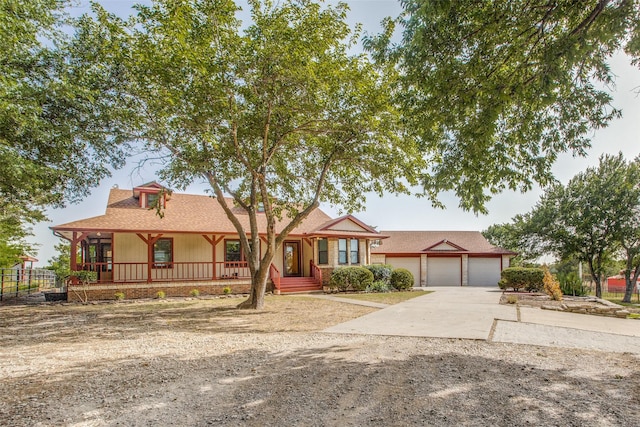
<point>149,290</point>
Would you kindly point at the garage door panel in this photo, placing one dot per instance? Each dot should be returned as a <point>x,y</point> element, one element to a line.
<point>443,271</point>
<point>410,263</point>
<point>484,271</point>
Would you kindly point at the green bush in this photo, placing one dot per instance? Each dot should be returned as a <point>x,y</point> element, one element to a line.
<point>518,278</point>
<point>381,272</point>
<point>119,296</point>
<point>570,284</point>
<point>194,293</point>
<point>355,278</point>
<point>401,279</point>
<point>378,286</point>
<point>161,295</point>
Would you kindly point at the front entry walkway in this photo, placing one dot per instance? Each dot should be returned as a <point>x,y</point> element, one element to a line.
<point>475,313</point>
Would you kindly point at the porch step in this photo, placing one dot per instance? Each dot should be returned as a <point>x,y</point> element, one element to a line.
<point>298,284</point>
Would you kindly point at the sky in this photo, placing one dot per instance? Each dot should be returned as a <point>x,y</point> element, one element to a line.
<point>389,212</point>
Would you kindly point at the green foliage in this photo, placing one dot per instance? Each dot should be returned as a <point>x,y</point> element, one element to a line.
<point>354,278</point>
<point>249,108</point>
<point>401,279</point>
<point>518,278</point>
<point>119,296</point>
<point>583,221</point>
<point>85,276</point>
<point>194,293</point>
<point>496,89</point>
<point>61,262</point>
<point>226,290</point>
<point>571,284</point>
<point>551,285</point>
<point>381,272</point>
<point>53,114</point>
<point>161,295</point>
<point>378,286</point>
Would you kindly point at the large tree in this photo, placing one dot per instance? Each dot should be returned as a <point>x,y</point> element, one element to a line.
<point>278,114</point>
<point>592,218</point>
<point>52,115</point>
<point>496,89</point>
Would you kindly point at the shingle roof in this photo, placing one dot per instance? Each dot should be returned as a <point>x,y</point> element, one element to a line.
<point>186,213</point>
<point>413,242</point>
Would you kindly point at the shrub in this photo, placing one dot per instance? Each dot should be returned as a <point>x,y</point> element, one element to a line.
<point>521,277</point>
<point>570,284</point>
<point>551,285</point>
<point>161,294</point>
<point>381,272</point>
<point>194,293</point>
<point>356,278</point>
<point>378,286</point>
<point>401,279</point>
<point>119,296</point>
<point>226,290</point>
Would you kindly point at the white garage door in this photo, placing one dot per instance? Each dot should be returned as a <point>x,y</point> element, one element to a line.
<point>443,271</point>
<point>411,264</point>
<point>484,271</point>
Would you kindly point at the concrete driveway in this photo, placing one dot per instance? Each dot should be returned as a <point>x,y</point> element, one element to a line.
<point>475,313</point>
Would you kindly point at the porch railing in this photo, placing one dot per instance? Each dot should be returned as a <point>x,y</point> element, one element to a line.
<point>316,272</point>
<point>274,273</point>
<point>139,272</point>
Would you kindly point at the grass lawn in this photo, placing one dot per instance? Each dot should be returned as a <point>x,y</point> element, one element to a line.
<point>617,298</point>
<point>386,297</point>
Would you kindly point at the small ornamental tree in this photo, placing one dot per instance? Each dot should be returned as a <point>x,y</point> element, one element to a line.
<point>551,285</point>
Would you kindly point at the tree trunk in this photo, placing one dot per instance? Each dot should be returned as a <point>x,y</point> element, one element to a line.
<point>258,288</point>
<point>630,283</point>
<point>596,278</point>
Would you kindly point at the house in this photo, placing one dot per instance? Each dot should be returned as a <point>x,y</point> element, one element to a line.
<point>443,258</point>
<point>194,246</point>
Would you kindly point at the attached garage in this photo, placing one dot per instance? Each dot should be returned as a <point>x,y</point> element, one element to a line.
<point>410,263</point>
<point>484,271</point>
<point>444,271</point>
<point>450,258</point>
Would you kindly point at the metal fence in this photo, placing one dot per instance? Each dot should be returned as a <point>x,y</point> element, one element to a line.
<point>17,282</point>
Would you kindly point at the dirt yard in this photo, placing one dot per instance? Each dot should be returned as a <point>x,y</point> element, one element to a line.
<point>201,362</point>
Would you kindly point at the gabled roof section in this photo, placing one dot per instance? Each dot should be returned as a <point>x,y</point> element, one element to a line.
<point>149,187</point>
<point>347,226</point>
<point>347,223</point>
<point>445,245</point>
<point>438,242</point>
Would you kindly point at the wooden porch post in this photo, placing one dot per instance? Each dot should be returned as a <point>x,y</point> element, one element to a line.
<point>75,239</point>
<point>150,241</point>
<point>213,242</point>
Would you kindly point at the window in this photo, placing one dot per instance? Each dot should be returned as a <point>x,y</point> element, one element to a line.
<point>342,251</point>
<point>323,251</point>
<point>163,253</point>
<point>355,251</point>
<point>232,251</point>
<point>151,200</point>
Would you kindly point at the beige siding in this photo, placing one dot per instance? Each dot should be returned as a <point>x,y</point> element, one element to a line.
<point>190,248</point>
<point>347,225</point>
<point>444,247</point>
<point>307,256</point>
<point>378,258</point>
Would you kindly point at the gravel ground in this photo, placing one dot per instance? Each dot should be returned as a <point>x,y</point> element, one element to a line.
<point>201,362</point>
